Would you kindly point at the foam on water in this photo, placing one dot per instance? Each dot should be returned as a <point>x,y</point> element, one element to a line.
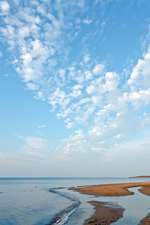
<point>63,216</point>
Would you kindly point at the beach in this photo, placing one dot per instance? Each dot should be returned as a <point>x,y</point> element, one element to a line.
<point>106,214</point>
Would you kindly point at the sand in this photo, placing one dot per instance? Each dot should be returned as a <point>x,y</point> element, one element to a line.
<point>146,220</point>
<point>104,214</point>
<point>119,189</point>
<point>145,190</point>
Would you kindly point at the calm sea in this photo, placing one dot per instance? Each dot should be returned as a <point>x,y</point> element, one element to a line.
<point>43,201</point>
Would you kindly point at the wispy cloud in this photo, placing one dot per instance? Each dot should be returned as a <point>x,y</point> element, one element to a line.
<point>33,158</point>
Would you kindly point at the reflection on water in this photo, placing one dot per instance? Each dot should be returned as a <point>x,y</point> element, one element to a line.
<point>137,206</point>
<point>29,205</point>
<point>28,201</point>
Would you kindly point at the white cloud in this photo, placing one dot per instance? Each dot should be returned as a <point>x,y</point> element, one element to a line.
<point>98,161</point>
<point>88,75</point>
<point>142,96</point>
<point>82,92</point>
<point>32,86</point>
<point>111,79</point>
<point>96,131</point>
<point>77,90</point>
<point>32,39</point>
<point>27,58</point>
<point>4,7</point>
<point>87,21</point>
<point>34,158</point>
<point>140,76</point>
<point>98,68</point>
<point>35,143</point>
<point>90,89</point>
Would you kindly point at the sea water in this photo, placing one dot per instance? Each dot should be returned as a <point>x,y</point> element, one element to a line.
<point>43,201</point>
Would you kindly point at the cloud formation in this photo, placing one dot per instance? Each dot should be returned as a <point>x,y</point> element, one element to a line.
<point>4,7</point>
<point>91,99</point>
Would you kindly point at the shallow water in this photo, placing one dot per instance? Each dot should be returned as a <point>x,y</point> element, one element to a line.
<point>137,206</point>
<point>29,202</point>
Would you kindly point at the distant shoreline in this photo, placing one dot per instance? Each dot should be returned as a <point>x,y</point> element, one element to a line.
<point>146,176</point>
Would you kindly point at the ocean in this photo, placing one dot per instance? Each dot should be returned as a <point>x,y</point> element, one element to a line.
<point>47,201</point>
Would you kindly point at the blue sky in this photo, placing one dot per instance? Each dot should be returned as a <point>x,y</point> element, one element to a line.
<point>74,87</point>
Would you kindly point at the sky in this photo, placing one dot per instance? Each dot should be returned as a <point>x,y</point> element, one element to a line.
<point>74,87</point>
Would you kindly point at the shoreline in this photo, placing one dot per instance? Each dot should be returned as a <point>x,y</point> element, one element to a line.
<point>62,216</point>
<point>144,176</point>
<point>107,213</point>
<point>104,214</point>
<point>145,220</point>
<point>115,189</point>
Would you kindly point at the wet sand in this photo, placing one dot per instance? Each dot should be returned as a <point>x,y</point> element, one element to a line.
<point>107,214</point>
<point>145,190</point>
<point>119,189</point>
<point>145,221</point>
<point>104,214</point>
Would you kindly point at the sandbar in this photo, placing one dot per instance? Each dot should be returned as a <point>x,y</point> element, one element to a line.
<point>115,189</point>
<point>104,214</point>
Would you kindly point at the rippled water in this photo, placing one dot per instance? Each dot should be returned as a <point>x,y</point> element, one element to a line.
<point>30,201</point>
